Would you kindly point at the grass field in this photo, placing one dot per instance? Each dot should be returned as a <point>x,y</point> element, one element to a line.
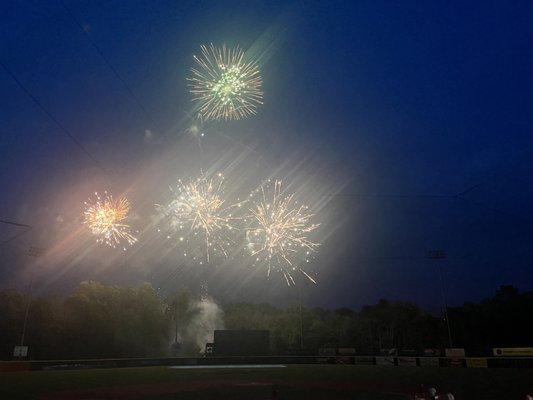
<point>293,382</point>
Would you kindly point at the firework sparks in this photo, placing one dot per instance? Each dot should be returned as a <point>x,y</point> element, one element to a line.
<point>278,233</point>
<point>199,212</point>
<point>106,218</point>
<point>225,85</point>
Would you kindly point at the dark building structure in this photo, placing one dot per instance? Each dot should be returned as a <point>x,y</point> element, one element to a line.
<point>241,343</point>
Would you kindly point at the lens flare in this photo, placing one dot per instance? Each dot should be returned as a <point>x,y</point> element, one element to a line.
<point>201,216</point>
<point>277,233</point>
<point>106,218</point>
<point>225,85</point>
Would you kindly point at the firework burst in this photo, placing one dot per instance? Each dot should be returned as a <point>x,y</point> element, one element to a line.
<point>106,217</point>
<point>201,215</point>
<point>278,232</point>
<point>224,84</point>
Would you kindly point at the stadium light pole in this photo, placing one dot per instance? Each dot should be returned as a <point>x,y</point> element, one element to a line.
<point>438,255</point>
<point>33,252</point>
<point>23,333</point>
<point>301,318</point>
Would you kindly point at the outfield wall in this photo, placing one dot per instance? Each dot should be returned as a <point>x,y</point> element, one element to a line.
<point>407,362</point>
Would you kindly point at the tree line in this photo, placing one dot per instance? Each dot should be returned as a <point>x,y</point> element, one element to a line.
<point>102,321</point>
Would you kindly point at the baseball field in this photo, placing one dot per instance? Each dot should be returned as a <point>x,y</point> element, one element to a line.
<point>276,382</point>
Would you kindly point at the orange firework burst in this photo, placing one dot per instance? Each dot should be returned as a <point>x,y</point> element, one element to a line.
<point>278,232</point>
<point>106,218</point>
<point>200,211</point>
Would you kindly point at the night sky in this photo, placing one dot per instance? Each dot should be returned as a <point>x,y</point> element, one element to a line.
<point>406,125</point>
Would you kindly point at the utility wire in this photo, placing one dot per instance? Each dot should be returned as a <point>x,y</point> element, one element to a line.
<point>28,228</point>
<point>14,237</point>
<point>3,221</point>
<point>457,196</point>
<point>50,115</point>
<point>497,210</point>
<point>113,69</point>
<point>394,195</point>
<point>468,190</point>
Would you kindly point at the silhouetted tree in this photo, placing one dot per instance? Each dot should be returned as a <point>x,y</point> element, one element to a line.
<point>500,321</point>
<point>98,320</point>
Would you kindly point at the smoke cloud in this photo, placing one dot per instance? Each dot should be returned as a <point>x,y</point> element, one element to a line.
<point>207,316</point>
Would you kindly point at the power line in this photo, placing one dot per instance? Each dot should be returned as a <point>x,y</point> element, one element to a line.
<point>396,258</point>
<point>112,68</point>
<point>497,210</point>
<point>50,115</point>
<point>462,196</point>
<point>395,195</point>
<point>458,196</point>
<point>15,237</point>
<point>468,190</point>
<point>2,221</point>
<point>28,228</point>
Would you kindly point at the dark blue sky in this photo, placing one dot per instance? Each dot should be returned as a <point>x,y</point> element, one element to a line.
<point>402,105</point>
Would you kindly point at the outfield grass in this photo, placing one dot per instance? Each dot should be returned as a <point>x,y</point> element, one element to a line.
<point>294,382</point>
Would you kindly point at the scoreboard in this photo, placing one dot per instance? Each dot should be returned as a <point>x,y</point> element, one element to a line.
<point>241,343</point>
